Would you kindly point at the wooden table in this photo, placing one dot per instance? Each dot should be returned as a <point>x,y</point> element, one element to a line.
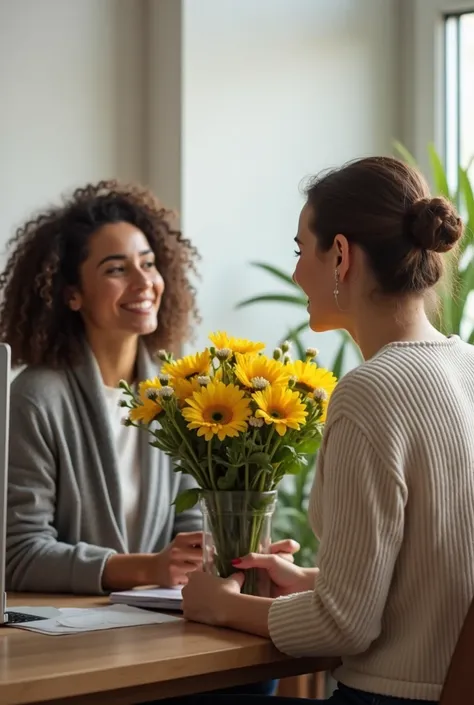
<point>131,665</point>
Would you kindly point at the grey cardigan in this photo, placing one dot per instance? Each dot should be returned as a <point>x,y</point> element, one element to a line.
<point>65,516</point>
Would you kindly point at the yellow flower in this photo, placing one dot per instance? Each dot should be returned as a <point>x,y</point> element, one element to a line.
<point>189,366</point>
<point>310,377</point>
<point>185,388</point>
<point>238,345</point>
<point>217,409</point>
<point>256,371</point>
<point>282,407</point>
<point>148,408</point>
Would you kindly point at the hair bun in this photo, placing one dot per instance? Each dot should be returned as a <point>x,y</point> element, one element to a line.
<point>433,224</point>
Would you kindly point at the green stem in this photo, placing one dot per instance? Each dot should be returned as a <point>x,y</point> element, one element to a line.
<point>210,466</point>
<point>270,436</point>
<point>197,469</point>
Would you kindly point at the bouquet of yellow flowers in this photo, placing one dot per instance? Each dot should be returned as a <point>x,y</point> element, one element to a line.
<point>237,421</point>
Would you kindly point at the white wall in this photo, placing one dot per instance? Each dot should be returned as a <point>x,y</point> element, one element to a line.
<point>222,106</point>
<point>273,91</point>
<point>71,87</point>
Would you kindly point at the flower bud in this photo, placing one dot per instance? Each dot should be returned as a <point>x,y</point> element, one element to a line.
<point>223,354</point>
<point>320,395</point>
<point>165,393</point>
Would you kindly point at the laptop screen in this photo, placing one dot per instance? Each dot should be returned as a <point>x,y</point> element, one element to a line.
<point>4,439</point>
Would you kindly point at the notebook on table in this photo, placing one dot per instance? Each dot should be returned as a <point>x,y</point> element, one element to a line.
<point>152,599</point>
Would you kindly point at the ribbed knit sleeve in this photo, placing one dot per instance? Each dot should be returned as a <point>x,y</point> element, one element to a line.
<point>362,503</point>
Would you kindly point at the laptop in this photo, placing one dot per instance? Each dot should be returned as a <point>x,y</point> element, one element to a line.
<point>7,616</point>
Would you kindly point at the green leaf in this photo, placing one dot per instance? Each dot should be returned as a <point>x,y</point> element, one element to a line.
<point>467,285</point>
<point>278,273</point>
<point>310,447</point>
<point>467,199</point>
<point>293,335</point>
<point>405,154</point>
<point>274,298</point>
<point>285,452</point>
<point>229,480</point>
<point>294,332</point>
<point>338,364</point>
<point>290,461</point>
<point>187,499</point>
<point>439,174</point>
<point>261,459</point>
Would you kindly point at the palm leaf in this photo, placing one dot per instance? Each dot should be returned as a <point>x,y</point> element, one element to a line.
<point>467,199</point>
<point>406,155</point>
<point>294,332</point>
<point>294,335</point>
<point>439,174</point>
<point>276,272</point>
<point>300,348</point>
<point>274,298</point>
<point>338,364</point>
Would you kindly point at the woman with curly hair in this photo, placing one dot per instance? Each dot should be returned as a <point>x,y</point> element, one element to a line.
<point>92,290</point>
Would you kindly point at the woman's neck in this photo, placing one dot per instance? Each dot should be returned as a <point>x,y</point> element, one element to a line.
<point>385,324</point>
<point>116,358</point>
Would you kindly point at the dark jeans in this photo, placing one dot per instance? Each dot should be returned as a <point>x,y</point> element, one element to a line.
<point>236,694</point>
<point>341,696</point>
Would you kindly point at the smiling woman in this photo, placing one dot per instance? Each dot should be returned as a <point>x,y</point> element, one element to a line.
<point>92,289</point>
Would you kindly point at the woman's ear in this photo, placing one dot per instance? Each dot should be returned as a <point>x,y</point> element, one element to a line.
<point>73,299</point>
<point>342,248</point>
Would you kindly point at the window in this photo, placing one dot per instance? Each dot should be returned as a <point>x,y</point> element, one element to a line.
<point>459,94</point>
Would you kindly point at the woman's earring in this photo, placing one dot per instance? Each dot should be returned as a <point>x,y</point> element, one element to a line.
<point>336,287</point>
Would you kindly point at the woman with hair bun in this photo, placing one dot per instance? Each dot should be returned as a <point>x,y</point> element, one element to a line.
<point>393,498</point>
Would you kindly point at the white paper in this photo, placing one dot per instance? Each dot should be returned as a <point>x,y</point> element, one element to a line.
<point>155,598</point>
<point>73,620</point>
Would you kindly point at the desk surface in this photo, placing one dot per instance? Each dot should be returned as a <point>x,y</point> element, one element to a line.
<point>134,664</point>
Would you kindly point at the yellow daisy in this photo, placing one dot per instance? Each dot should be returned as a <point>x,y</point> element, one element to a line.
<point>238,345</point>
<point>311,378</point>
<point>187,367</point>
<point>218,409</point>
<point>257,371</point>
<point>148,407</point>
<point>185,388</point>
<point>282,407</point>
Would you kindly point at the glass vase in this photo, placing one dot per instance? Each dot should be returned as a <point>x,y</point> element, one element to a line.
<point>235,524</point>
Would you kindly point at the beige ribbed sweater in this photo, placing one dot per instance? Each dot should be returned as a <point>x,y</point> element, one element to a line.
<point>393,506</point>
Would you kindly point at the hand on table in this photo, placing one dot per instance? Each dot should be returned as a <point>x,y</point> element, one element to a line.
<point>206,597</point>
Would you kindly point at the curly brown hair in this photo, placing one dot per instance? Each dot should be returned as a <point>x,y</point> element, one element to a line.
<point>35,319</point>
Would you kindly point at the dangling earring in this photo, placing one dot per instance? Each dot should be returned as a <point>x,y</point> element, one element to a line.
<point>336,287</point>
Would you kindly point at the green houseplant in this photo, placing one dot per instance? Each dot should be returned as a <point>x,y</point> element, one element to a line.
<point>451,314</point>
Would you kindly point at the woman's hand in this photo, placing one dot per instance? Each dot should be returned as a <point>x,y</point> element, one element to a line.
<point>206,597</point>
<point>183,555</point>
<point>168,568</point>
<point>286,548</point>
<point>286,578</point>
